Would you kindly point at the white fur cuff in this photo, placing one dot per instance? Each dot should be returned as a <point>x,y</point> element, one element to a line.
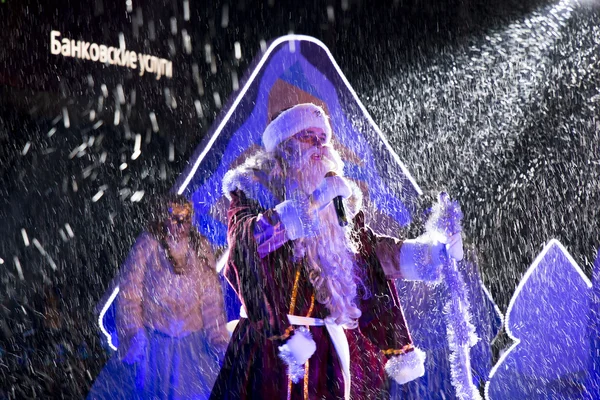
<point>294,216</point>
<point>406,367</point>
<point>296,351</point>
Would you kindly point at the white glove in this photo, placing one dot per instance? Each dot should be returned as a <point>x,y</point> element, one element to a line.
<point>454,247</point>
<point>299,213</point>
<point>137,347</point>
<point>301,346</point>
<point>328,189</point>
<point>296,351</point>
<point>406,367</point>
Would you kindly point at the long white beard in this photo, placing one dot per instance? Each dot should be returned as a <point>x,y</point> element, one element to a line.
<point>331,264</point>
<point>311,172</point>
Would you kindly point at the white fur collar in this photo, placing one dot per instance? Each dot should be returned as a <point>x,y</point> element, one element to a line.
<point>247,178</point>
<point>251,177</point>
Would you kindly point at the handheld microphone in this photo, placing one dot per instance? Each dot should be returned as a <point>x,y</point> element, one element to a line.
<point>338,205</point>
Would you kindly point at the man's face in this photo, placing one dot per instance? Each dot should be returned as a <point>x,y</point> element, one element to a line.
<point>308,155</point>
<point>179,219</point>
<point>304,147</point>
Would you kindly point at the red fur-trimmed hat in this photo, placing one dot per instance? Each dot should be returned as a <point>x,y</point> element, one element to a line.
<point>292,121</point>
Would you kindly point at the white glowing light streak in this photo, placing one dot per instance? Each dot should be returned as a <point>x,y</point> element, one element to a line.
<point>120,92</point>
<point>217,98</point>
<point>198,106</point>
<point>207,53</point>
<point>97,196</point>
<point>19,269</point>
<point>25,238</point>
<point>330,14</point>
<point>1,261</point>
<point>171,152</point>
<point>187,41</point>
<point>122,166</point>
<point>225,16</point>
<point>26,148</point>
<point>237,50</point>
<point>515,296</point>
<point>170,99</point>
<point>51,262</point>
<point>235,83</point>
<point>101,317</point>
<point>69,230</point>
<point>43,252</point>
<point>253,76</point>
<point>137,146</point>
<point>117,117</point>
<point>104,90</point>
<point>173,26</point>
<point>38,245</point>
<point>137,196</point>
<point>66,120</point>
<point>186,10</point>
<point>154,122</point>
<point>51,132</point>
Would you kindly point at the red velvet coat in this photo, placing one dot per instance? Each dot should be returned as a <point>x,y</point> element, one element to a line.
<point>275,286</point>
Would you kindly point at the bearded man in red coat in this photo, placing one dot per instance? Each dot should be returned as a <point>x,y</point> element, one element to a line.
<point>320,316</point>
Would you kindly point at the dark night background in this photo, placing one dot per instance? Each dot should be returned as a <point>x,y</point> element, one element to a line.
<point>509,129</point>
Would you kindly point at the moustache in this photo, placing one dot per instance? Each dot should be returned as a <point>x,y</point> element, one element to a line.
<point>324,153</point>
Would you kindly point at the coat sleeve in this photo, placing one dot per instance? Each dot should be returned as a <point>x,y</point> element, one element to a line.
<point>254,275</point>
<point>417,259</point>
<point>382,320</point>
<point>129,302</point>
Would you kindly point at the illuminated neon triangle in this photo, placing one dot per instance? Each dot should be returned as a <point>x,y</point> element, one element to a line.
<point>306,64</point>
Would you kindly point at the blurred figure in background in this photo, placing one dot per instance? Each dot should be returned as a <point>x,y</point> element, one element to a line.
<point>170,314</point>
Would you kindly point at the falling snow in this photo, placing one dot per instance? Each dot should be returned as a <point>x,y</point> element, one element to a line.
<point>495,103</point>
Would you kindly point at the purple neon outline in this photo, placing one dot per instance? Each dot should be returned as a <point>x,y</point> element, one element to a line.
<point>532,268</point>
<point>105,308</point>
<point>241,94</point>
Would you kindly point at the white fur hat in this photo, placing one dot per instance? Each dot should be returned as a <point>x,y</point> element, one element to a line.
<point>292,121</point>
